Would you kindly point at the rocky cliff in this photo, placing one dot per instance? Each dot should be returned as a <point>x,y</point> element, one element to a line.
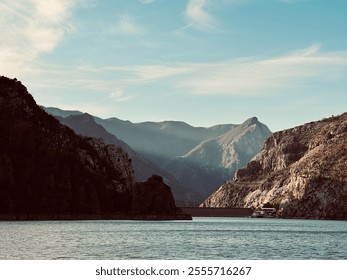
<point>46,170</point>
<point>301,171</point>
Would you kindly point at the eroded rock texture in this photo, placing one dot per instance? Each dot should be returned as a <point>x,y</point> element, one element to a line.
<point>302,171</point>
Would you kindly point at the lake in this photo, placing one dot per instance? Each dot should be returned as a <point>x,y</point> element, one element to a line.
<point>201,238</point>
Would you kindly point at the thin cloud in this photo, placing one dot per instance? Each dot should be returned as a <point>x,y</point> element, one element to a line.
<point>264,76</point>
<point>287,1</point>
<point>119,96</point>
<point>198,16</point>
<point>147,1</point>
<point>30,28</point>
<point>249,76</point>
<point>290,1</point>
<point>152,72</point>
<point>127,25</point>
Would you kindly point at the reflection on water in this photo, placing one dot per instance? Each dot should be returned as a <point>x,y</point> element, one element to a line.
<point>202,238</point>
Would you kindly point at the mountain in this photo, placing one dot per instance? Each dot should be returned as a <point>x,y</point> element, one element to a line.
<point>47,171</point>
<point>61,113</point>
<point>161,142</point>
<point>215,160</point>
<point>200,158</point>
<point>197,158</point>
<point>301,171</point>
<point>85,124</point>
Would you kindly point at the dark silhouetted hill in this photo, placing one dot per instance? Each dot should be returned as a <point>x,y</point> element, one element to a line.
<point>46,170</point>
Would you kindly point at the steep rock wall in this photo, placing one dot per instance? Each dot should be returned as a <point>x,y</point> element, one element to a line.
<point>301,171</point>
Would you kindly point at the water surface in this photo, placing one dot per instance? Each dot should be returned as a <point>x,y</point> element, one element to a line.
<point>202,238</point>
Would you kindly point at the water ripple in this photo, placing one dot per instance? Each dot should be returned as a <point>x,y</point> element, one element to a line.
<point>202,238</point>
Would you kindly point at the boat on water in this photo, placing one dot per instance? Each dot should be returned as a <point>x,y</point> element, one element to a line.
<point>264,213</point>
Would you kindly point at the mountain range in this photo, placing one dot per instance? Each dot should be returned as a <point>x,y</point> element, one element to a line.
<point>74,166</point>
<point>84,124</point>
<point>192,160</point>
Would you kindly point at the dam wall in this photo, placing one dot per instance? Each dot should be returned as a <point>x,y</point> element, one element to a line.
<point>217,212</point>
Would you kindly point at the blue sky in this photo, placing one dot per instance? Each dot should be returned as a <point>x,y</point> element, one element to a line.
<point>204,62</point>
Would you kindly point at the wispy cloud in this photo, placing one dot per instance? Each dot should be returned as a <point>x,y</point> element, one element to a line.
<point>198,16</point>
<point>290,1</point>
<point>127,25</point>
<point>237,77</point>
<point>147,1</point>
<point>119,96</point>
<point>243,76</point>
<point>256,76</point>
<point>155,72</point>
<point>30,28</point>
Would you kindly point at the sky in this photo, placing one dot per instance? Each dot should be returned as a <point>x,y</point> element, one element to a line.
<point>204,62</point>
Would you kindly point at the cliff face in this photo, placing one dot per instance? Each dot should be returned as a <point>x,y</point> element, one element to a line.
<point>118,159</point>
<point>301,171</point>
<point>46,169</point>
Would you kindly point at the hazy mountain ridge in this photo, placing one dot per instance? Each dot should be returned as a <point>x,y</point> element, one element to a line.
<point>46,170</point>
<point>174,138</point>
<point>301,171</point>
<point>61,113</point>
<point>85,124</point>
<point>199,158</point>
<point>215,160</point>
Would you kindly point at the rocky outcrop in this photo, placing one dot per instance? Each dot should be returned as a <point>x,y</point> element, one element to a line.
<point>46,170</point>
<point>158,202</point>
<point>301,171</point>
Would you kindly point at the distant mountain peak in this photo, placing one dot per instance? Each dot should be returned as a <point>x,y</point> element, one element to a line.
<point>87,118</point>
<point>251,121</point>
<point>61,113</point>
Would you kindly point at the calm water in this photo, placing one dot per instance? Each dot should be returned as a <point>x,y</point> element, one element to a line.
<point>202,238</point>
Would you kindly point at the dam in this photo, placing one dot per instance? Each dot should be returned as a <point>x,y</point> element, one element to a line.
<point>217,211</point>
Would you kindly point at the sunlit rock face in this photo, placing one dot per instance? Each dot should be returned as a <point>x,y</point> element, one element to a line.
<point>302,171</point>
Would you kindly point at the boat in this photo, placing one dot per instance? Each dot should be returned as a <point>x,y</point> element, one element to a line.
<point>264,213</point>
<point>257,214</point>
